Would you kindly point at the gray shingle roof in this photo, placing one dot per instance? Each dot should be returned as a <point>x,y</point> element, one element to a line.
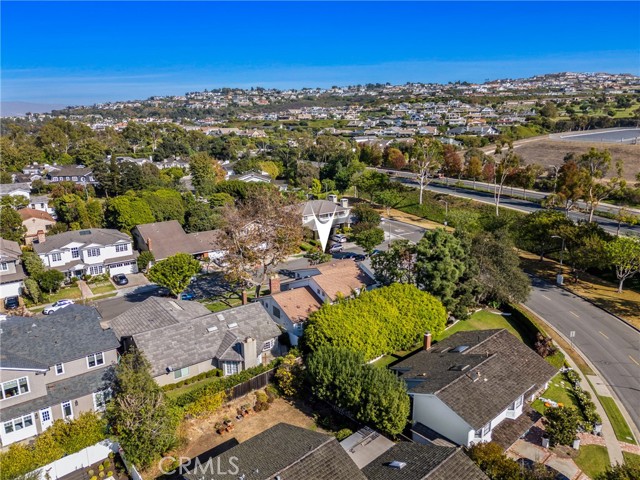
<point>68,334</point>
<point>100,236</point>
<point>154,313</point>
<point>321,207</point>
<point>7,188</point>
<point>500,369</point>
<point>194,340</point>
<point>422,461</point>
<point>288,452</point>
<point>9,250</point>
<point>69,389</point>
<point>168,238</point>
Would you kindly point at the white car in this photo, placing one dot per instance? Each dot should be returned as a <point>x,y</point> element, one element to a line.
<point>340,238</point>
<point>57,306</point>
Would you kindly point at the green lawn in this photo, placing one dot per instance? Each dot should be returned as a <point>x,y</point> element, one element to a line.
<point>631,459</point>
<point>101,288</point>
<point>483,320</point>
<point>176,392</point>
<point>620,426</point>
<point>386,360</point>
<point>592,459</point>
<point>72,293</point>
<point>559,391</point>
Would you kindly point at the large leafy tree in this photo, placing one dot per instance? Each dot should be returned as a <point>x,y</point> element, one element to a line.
<point>372,394</point>
<point>11,227</point>
<point>175,272</point>
<point>205,173</point>
<point>139,415</point>
<point>369,239</point>
<point>537,231</point>
<point>397,264</point>
<point>127,211</point>
<point>377,322</point>
<point>440,264</point>
<point>165,204</point>
<point>562,424</point>
<point>624,255</point>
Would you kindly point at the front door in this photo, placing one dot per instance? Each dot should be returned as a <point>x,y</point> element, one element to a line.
<point>46,419</point>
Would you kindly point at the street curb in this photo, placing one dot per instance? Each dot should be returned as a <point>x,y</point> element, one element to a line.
<point>621,407</point>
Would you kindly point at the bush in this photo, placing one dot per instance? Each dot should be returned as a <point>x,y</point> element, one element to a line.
<point>216,372</point>
<point>342,434</point>
<point>561,424</point>
<point>205,404</point>
<point>289,376</point>
<point>144,259</point>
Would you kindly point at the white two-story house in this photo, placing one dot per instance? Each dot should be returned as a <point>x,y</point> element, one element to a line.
<point>51,368</point>
<point>93,251</point>
<point>468,386</point>
<point>291,303</point>
<point>12,274</point>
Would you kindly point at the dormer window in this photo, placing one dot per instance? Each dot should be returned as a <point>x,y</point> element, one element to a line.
<point>122,247</point>
<point>93,252</point>
<point>4,266</point>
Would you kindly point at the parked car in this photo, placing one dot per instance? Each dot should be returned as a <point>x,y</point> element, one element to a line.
<point>340,238</point>
<point>335,248</point>
<point>187,296</point>
<point>287,273</point>
<point>57,306</point>
<point>11,303</point>
<point>120,279</point>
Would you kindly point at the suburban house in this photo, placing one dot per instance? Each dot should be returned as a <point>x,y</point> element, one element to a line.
<point>291,303</point>
<point>11,272</point>
<point>71,173</point>
<point>307,454</point>
<point>470,386</point>
<point>250,177</point>
<point>182,339</point>
<point>52,368</point>
<point>41,202</point>
<point>36,222</point>
<point>323,211</point>
<point>94,251</point>
<point>165,239</point>
<point>15,190</point>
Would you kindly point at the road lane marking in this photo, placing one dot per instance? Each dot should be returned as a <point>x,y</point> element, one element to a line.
<point>545,297</point>
<point>634,360</point>
<point>603,335</point>
<point>574,314</point>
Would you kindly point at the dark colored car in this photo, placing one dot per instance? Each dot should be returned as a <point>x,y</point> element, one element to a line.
<point>287,273</point>
<point>120,279</point>
<point>11,303</point>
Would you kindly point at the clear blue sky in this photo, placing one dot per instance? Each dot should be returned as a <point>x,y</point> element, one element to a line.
<point>81,52</point>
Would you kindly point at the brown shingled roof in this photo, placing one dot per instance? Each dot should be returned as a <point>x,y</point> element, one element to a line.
<point>297,303</point>
<point>341,277</point>
<point>27,213</point>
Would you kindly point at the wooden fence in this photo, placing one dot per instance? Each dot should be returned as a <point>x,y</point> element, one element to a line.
<point>255,383</point>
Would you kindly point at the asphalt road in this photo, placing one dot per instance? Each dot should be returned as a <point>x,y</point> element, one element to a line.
<point>611,345</point>
<point>517,204</point>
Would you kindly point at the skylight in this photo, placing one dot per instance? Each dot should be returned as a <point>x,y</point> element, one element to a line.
<point>232,325</point>
<point>460,349</point>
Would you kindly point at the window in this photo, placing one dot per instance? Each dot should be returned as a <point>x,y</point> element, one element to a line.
<point>13,388</point>
<point>67,411</point>
<point>484,431</point>
<point>45,415</point>
<point>268,345</point>
<point>96,270</point>
<point>122,248</point>
<point>18,424</point>
<point>183,372</point>
<point>518,401</point>
<point>75,252</point>
<point>100,399</point>
<point>74,178</point>
<point>56,257</point>
<point>93,252</point>
<point>276,312</point>
<point>4,266</point>
<point>59,368</point>
<point>230,368</point>
<point>95,359</point>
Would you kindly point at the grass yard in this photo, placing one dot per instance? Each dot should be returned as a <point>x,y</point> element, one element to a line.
<point>620,426</point>
<point>631,459</point>
<point>100,288</point>
<point>176,392</point>
<point>483,320</point>
<point>592,459</point>
<point>559,391</point>
<point>71,293</point>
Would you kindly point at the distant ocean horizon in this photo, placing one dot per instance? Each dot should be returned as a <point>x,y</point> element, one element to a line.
<point>19,109</point>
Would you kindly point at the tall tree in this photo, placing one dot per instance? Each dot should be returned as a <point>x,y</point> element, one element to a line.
<point>397,264</point>
<point>175,272</point>
<point>537,230</point>
<point>205,173</point>
<point>11,227</point>
<point>428,158</point>
<point>506,163</point>
<point>624,255</point>
<point>139,415</point>
<point>126,211</point>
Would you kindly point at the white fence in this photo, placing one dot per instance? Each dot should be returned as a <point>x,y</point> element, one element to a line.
<point>79,460</point>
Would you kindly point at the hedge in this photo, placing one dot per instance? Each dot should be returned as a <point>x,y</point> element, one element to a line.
<point>216,372</point>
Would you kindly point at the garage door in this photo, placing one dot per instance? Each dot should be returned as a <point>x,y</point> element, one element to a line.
<point>126,267</point>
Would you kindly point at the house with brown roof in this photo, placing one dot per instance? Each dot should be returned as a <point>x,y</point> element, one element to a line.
<point>165,239</point>
<point>291,303</point>
<point>36,222</point>
<point>473,385</point>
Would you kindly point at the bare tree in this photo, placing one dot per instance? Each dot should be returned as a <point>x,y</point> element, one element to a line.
<point>428,158</point>
<point>259,233</point>
<point>506,163</point>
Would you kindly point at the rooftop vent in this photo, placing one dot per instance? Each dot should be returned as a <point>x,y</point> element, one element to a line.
<point>460,348</point>
<point>459,368</point>
<point>220,317</point>
<point>232,325</point>
<point>212,329</point>
<point>397,464</point>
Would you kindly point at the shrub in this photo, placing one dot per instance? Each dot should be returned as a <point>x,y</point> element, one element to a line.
<point>205,404</point>
<point>342,434</point>
<point>289,376</point>
<point>561,424</point>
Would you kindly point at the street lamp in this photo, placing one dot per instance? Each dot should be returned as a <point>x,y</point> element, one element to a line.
<point>562,248</point>
<point>446,211</point>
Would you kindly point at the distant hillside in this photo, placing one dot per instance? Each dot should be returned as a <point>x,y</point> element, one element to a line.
<point>12,109</point>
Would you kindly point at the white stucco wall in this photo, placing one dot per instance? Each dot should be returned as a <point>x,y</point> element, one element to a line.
<point>432,412</point>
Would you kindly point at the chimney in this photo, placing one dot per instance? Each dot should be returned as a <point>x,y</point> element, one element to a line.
<point>427,341</point>
<point>149,243</point>
<point>250,353</point>
<point>274,284</point>
<point>344,202</point>
<point>244,297</point>
<point>41,236</point>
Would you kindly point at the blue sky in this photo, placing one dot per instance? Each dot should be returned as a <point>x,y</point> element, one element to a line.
<point>85,52</point>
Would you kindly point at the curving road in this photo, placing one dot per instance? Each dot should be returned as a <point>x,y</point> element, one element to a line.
<point>610,344</point>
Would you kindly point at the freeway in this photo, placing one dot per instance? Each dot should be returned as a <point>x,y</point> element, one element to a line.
<point>610,344</point>
<point>516,204</point>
